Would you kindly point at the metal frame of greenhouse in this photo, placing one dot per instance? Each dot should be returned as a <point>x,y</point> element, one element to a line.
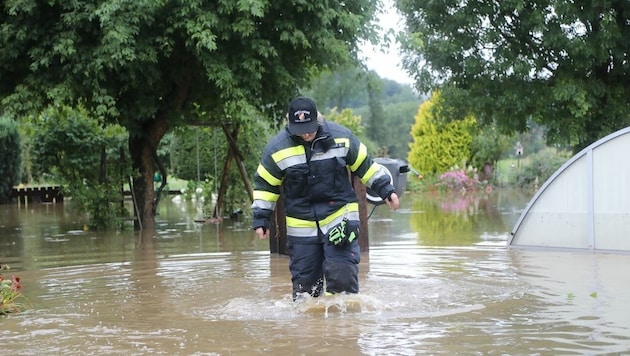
<point>585,204</point>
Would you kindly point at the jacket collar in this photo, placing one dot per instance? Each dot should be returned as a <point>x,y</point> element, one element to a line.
<point>323,140</point>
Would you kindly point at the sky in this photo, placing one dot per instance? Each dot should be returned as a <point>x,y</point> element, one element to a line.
<point>388,64</point>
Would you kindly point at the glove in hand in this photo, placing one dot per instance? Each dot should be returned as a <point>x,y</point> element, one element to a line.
<point>341,234</point>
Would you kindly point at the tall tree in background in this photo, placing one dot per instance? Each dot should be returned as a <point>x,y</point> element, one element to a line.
<point>340,88</point>
<point>10,165</point>
<point>400,118</point>
<point>563,63</point>
<point>144,63</point>
<point>377,125</point>
<point>392,104</point>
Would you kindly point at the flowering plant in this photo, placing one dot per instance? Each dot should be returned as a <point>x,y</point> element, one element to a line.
<point>458,179</point>
<point>10,295</point>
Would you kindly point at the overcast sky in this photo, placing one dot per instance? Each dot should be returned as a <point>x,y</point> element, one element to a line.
<point>387,64</point>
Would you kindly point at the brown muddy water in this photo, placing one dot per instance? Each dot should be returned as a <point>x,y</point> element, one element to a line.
<point>438,280</point>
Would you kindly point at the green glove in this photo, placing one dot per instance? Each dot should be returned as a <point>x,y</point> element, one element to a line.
<point>353,235</point>
<point>342,234</point>
<point>337,234</point>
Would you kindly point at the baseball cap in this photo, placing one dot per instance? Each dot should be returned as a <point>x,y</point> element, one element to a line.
<point>302,116</point>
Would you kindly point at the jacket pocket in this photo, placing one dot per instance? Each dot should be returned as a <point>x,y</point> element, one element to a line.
<point>328,178</point>
<point>296,181</point>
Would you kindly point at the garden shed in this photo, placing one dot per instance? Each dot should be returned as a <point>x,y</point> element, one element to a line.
<point>585,204</point>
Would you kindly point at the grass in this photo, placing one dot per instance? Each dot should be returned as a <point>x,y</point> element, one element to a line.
<point>176,183</point>
<point>507,170</point>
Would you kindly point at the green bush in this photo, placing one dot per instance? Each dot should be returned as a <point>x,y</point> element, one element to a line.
<point>11,162</point>
<point>439,145</point>
<point>531,170</point>
<point>540,166</point>
<point>69,144</point>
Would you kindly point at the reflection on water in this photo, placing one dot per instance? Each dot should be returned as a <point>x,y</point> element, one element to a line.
<point>437,280</point>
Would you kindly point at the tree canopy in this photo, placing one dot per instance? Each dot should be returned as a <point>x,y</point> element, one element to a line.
<point>386,108</point>
<point>561,63</point>
<point>149,64</point>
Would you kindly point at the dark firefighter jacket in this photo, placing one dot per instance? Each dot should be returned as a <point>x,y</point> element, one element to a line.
<point>315,180</point>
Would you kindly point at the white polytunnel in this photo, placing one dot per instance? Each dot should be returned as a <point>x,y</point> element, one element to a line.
<point>585,204</point>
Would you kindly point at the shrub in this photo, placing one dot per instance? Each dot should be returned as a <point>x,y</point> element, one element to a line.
<point>540,166</point>
<point>437,143</point>
<point>69,144</point>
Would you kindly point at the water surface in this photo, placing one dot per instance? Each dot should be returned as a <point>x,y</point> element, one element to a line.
<point>438,279</point>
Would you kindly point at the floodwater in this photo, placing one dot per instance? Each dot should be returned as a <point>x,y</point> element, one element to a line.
<point>438,279</point>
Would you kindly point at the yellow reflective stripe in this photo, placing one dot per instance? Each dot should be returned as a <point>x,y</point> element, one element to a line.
<point>370,172</point>
<point>344,141</point>
<point>264,174</point>
<point>295,222</point>
<point>288,152</point>
<point>360,157</point>
<point>264,195</point>
<point>346,208</point>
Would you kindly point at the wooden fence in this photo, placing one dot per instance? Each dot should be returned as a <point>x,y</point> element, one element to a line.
<point>37,195</point>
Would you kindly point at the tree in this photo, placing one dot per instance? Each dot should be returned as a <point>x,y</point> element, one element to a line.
<point>399,119</point>
<point>376,120</point>
<point>387,107</point>
<point>193,152</point>
<point>348,119</point>
<point>488,145</point>
<point>199,154</point>
<point>562,63</point>
<point>149,64</point>
<point>341,88</point>
<point>10,165</point>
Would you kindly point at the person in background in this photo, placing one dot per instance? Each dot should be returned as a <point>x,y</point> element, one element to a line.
<point>310,160</point>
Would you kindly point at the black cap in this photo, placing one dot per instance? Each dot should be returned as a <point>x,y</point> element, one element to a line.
<point>302,116</point>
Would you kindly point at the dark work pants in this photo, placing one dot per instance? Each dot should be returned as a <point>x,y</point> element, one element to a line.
<point>311,262</point>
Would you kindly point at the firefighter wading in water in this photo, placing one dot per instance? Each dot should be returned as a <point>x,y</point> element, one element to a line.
<point>310,159</point>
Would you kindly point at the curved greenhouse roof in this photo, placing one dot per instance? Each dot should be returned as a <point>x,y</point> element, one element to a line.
<point>585,204</point>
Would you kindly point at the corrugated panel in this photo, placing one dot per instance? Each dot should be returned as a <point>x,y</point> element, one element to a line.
<point>585,204</point>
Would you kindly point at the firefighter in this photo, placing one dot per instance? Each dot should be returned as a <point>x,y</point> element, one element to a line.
<point>310,160</point>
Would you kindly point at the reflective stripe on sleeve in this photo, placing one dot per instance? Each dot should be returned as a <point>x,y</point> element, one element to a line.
<point>263,204</point>
<point>267,196</point>
<point>268,177</point>
<point>360,157</point>
<point>372,173</point>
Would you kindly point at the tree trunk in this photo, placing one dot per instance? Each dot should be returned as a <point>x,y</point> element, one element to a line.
<point>487,172</point>
<point>142,148</point>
